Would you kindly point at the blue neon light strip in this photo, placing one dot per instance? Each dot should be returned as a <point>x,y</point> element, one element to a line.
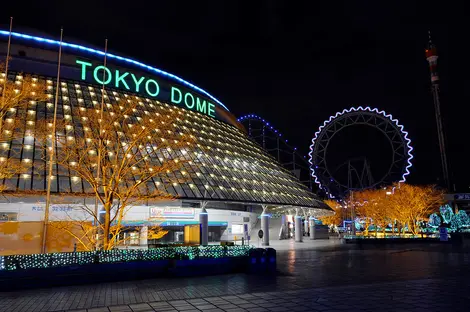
<point>117,57</point>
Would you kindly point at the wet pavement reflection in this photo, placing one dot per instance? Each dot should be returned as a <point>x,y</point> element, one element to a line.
<point>351,264</point>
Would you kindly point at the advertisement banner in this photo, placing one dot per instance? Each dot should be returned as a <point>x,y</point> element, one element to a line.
<point>171,213</point>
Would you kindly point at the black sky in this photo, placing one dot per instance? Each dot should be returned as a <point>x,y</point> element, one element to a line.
<point>294,62</point>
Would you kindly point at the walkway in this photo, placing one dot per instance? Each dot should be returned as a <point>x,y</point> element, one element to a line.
<point>420,295</point>
<point>318,276</point>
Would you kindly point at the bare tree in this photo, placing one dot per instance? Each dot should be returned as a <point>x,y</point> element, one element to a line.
<point>364,203</point>
<point>15,99</point>
<point>337,217</point>
<point>137,149</point>
<point>414,203</point>
<point>408,205</point>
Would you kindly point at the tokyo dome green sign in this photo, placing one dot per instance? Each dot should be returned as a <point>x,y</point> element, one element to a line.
<point>140,84</point>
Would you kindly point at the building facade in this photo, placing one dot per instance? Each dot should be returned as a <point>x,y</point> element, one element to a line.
<point>234,177</point>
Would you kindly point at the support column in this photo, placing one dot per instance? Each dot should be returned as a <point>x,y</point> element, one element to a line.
<point>265,228</point>
<point>204,224</point>
<point>143,236</point>
<point>306,225</point>
<point>312,228</point>
<point>298,227</point>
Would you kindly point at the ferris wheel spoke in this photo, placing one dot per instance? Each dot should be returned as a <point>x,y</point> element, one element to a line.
<point>401,148</point>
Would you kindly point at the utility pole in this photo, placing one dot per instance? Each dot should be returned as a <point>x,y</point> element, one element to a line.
<point>52,150</point>
<point>431,57</point>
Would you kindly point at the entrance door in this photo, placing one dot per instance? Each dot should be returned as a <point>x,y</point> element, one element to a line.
<point>179,237</point>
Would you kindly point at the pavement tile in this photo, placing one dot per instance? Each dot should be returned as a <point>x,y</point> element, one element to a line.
<point>160,304</point>
<point>230,297</point>
<point>238,301</point>
<point>246,296</point>
<point>267,305</point>
<point>193,301</point>
<point>248,305</point>
<point>226,306</point>
<point>141,307</point>
<point>185,307</point>
<point>178,302</point>
<point>205,307</point>
<point>120,308</point>
<point>277,309</point>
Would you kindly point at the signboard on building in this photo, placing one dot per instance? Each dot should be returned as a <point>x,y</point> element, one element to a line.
<point>171,213</point>
<point>154,88</point>
<point>462,196</point>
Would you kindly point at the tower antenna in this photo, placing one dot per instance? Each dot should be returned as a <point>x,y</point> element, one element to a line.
<point>431,57</point>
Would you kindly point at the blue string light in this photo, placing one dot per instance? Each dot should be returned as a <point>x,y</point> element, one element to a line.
<point>113,56</point>
<point>252,116</point>
<point>363,109</point>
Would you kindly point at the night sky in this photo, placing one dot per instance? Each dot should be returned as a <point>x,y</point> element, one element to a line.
<point>295,62</point>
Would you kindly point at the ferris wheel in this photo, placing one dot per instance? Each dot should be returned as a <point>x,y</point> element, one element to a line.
<point>395,133</point>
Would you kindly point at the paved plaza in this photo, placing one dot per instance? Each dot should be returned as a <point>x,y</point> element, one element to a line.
<point>315,276</point>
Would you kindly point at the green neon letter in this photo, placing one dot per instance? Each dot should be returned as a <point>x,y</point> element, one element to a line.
<point>188,105</point>
<point>210,109</point>
<point>107,75</point>
<point>157,87</point>
<point>201,107</point>
<point>173,92</point>
<point>121,79</point>
<point>84,66</point>
<point>137,82</point>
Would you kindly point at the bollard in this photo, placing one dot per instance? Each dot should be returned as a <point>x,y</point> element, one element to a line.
<point>271,260</point>
<point>312,228</point>
<point>262,260</point>
<point>298,229</point>
<point>253,265</point>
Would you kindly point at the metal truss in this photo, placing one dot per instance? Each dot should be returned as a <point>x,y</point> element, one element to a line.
<point>273,141</point>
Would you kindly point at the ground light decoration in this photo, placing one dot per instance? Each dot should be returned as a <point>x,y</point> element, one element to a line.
<point>460,221</point>
<point>376,118</point>
<point>447,213</point>
<point>434,220</point>
<point>37,261</point>
<point>81,48</point>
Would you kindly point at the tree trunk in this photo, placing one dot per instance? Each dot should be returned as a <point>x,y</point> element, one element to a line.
<point>413,227</point>
<point>107,221</point>
<point>1,128</point>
